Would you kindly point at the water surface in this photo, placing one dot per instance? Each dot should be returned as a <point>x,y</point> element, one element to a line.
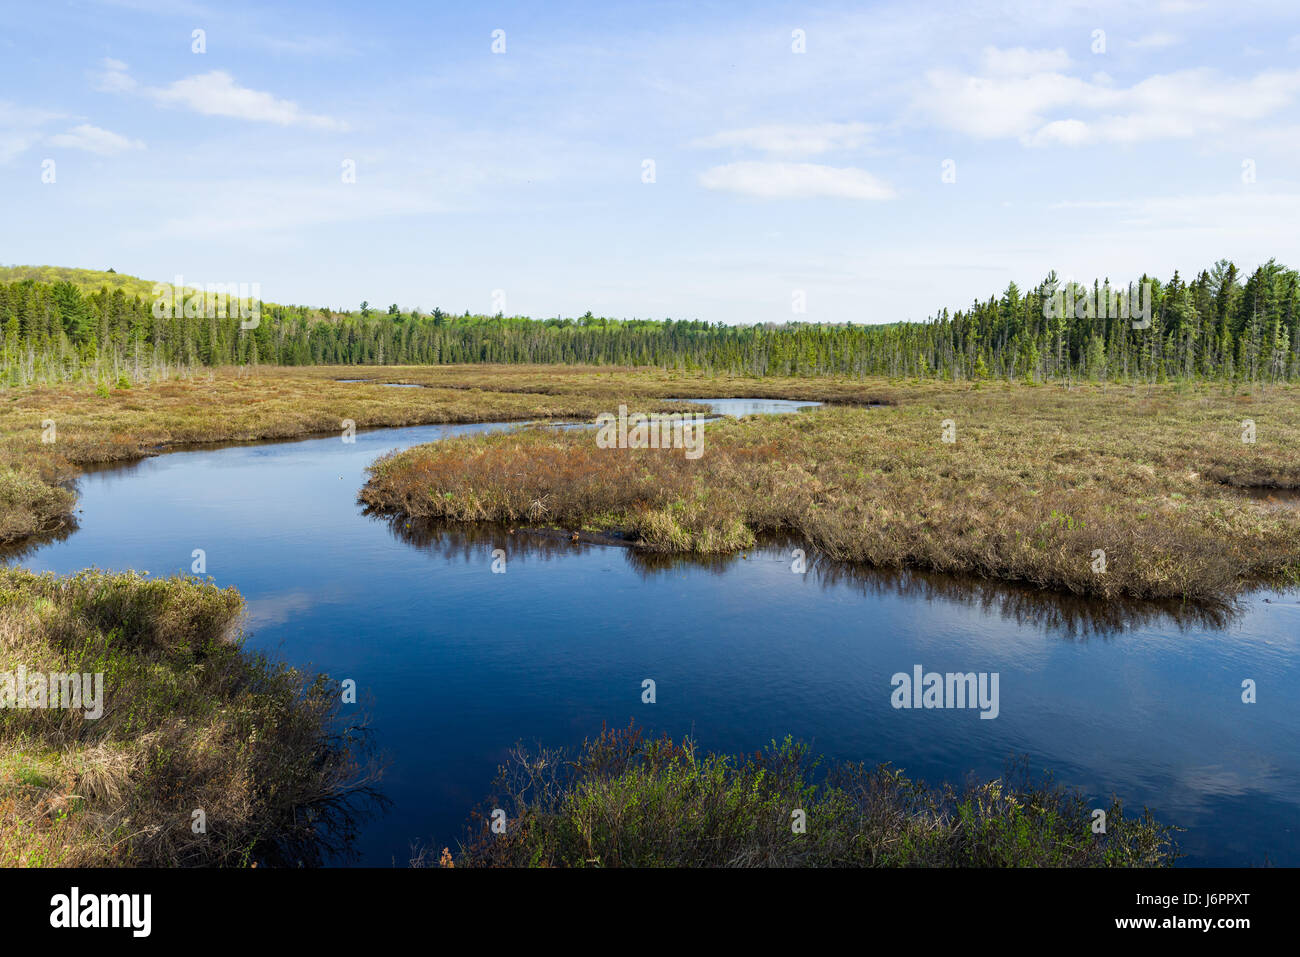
<point>457,663</point>
<point>739,407</point>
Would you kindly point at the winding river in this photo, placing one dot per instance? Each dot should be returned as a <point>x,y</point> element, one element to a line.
<point>455,663</point>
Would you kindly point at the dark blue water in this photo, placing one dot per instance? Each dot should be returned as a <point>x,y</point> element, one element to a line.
<point>458,663</point>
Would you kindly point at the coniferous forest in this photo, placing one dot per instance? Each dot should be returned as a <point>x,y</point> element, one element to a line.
<point>1221,324</point>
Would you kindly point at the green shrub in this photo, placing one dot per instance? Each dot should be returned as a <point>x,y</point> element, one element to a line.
<point>629,801</point>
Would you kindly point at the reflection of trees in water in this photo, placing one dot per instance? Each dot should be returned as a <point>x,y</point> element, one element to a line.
<point>1072,616</point>
<point>456,540</point>
<point>17,551</point>
<point>325,831</point>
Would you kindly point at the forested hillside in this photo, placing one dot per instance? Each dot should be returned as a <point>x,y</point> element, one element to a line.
<point>1220,325</point>
<point>87,280</point>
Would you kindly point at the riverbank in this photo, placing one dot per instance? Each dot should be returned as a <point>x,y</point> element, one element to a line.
<point>179,748</point>
<point>625,800</point>
<point>1098,490</point>
<point>47,434</point>
<point>1095,491</point>
<point>327,585</point>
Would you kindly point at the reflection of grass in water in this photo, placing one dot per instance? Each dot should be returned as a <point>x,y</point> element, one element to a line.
<point>1038,479</point>
<point>13,553</point>
<point>1062,614</point>
<point>190,721</point>
<point>627,801</point>
<point>1038,485</point>
<point>1275,497</point>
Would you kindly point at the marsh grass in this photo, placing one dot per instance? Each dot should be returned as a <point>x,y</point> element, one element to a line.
<point>191,720</point>
<point>1038,482</point>
<point>612,384</point>
<point>102,425</point>
<point>625,800</point>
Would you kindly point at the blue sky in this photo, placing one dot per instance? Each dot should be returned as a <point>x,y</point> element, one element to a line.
<point>1169,140</point>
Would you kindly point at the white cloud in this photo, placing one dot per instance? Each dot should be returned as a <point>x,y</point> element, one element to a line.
<point>21,128</point>
<point>216,94</point>
<point>92,139</point>
<point>795,181</point>
<point>1155,41</point>
<point>1020,62</point>
<point>801,139</point>
<point>11,115</point>
<point>13,142</point>
<point>1053,108</point>
<point>1064,132</point>
<point>114,78</point>
<point>1004,106</point>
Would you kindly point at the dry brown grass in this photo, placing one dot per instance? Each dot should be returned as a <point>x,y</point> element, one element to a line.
<point>614,383</point>
<point>189,721</point>
<point>224,405</point>
<point>1038,481</point>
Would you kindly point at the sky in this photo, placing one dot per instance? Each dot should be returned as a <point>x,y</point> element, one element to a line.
<point>730,162</point>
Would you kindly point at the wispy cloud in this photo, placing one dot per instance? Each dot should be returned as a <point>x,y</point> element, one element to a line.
<point>1019,61</point>
<point>1155,41</point>
<point>216,94</point>
<point>21,128</point>
<point>1053,108</point>
<point>796,139</point>
<point>795,181</point>
<point>14,142</point>
<point>115,77</point>
<point>93,139</point>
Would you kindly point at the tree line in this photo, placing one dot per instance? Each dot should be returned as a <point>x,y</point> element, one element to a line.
<point>1219,325</point>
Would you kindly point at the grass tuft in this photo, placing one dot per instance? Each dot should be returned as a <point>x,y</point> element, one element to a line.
<point>630,801</point>
<point>1036,487</point>
<point>191,721</point>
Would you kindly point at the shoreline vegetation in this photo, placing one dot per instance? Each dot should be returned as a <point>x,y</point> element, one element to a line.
<point>1037,479</point>
<point>1096,491</point>
<point>625,800</point>
<point>47,434</point>
<point>1070,616</point>
<point>203,753</point>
